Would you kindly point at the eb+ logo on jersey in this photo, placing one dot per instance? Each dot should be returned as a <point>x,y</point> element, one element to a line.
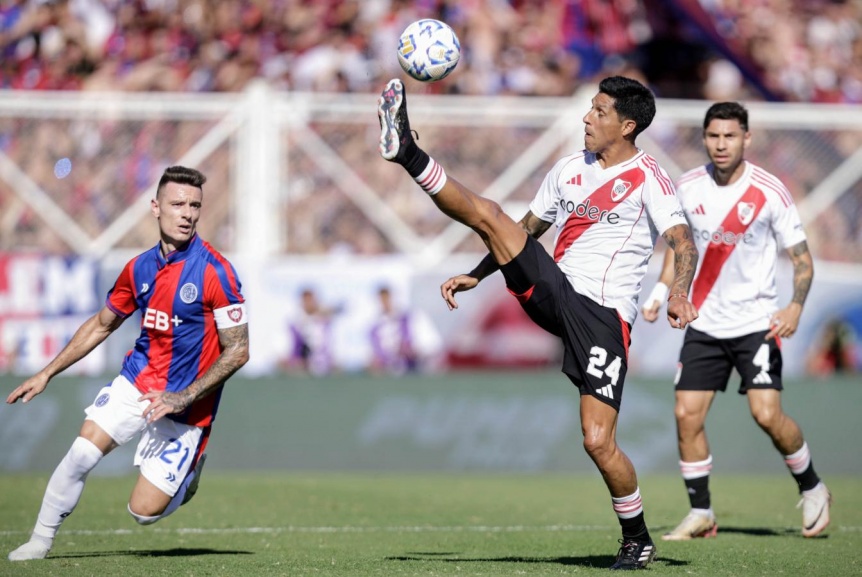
<point>159,320</point>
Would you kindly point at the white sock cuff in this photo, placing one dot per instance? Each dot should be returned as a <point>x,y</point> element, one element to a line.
<point>628,506</point>
<point>142,519</point>
<point>433,178</point>
<point>696,469</point>
<point>628,498</point>
<point>800,460</point>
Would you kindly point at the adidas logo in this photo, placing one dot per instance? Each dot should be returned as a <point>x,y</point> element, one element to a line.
<point>645,554</point>
<point>607,391</point>
<point>762,378</point>
<point>576,180</point>
<point>699,210</point>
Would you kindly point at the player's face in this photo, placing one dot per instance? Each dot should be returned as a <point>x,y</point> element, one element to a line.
<point>725,142</point>
<point>178,209</point>
<point>309,303</point>
<point>602,125</point>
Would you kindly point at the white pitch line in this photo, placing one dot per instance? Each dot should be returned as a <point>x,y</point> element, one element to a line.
<point>335,529</point>
<point>354,529</point>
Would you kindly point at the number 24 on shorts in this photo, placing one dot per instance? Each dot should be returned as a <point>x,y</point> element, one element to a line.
<point>598,358</point>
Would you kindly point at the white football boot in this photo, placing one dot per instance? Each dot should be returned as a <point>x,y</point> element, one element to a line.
<point>698,523</point>
<point>815,505</point>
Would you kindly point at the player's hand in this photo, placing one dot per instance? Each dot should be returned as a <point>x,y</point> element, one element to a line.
<point>680,311</point>
<point>457,284</point>
<point>650,311</point>
<point>28,389</point>
<point>163,403</point>
<point>785,322</point>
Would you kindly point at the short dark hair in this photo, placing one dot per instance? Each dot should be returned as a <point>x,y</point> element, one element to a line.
<point>727,111</point>
<point>181,175</point>
<point>632,101</point>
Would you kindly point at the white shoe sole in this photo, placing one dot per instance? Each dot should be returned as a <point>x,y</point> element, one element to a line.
<point>387,111</point>
<point>822,521</point>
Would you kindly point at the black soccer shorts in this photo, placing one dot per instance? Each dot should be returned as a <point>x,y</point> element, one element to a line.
<point>595,338</point>
<point>705,362</point>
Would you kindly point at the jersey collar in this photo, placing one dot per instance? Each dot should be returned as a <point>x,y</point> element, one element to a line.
<point>592,159</point>
<point>178,255</point>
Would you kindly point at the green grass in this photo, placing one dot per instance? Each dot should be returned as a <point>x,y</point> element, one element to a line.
<point>384,525</point>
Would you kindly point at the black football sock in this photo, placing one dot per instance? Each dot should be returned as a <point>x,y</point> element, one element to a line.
<point>415,160</point>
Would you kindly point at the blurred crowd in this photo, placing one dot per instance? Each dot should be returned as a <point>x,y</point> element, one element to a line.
<point>805,50</point>
<point>394,340</point>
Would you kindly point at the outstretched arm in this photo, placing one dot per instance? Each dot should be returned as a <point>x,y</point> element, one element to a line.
<point>88,336</point>
<point>532,224</point>
<point>234,342</point>
<point>786,321</point>
<point>680,311</point>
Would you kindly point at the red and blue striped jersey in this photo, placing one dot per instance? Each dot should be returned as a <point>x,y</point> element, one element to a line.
<point>184,298</point>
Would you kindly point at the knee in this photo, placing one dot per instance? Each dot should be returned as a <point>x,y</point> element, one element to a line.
<point>766,417</point>
<point>688,421</point>
<point>84,455</point>
<point>598,444</point>
<point>485,217</point>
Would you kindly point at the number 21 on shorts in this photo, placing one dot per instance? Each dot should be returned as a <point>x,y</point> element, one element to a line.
<point>172,452</point>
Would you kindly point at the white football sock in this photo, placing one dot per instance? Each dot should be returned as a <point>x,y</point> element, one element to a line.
<point>65,488</point>
<point>142,519</point>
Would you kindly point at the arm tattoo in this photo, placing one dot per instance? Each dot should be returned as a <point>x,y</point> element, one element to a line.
<point>679,239</point>
<point>534,225</point>
<point>234,355</point>
<point>803,271</point>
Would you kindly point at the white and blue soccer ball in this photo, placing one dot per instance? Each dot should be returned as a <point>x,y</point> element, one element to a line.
<point>428,50</point>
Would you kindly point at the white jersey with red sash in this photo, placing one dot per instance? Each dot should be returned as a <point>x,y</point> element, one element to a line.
<point>739,230</point>
<point>607,222</point>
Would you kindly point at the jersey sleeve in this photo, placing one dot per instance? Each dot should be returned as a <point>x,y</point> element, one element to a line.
<point>662,203</point>
<point>546,202</point>
<point>223,293</point>
<point>121,298</point>
<point>786,224</point>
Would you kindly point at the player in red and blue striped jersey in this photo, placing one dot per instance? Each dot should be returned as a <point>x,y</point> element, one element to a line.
<point>194,336</point>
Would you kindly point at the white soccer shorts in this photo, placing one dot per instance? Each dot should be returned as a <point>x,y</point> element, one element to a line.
<point>166,450</point>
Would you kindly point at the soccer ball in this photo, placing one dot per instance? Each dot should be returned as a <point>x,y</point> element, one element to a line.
<point>428,50</point>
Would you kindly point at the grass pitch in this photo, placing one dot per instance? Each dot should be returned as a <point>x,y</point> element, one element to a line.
<point>390,525</point>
